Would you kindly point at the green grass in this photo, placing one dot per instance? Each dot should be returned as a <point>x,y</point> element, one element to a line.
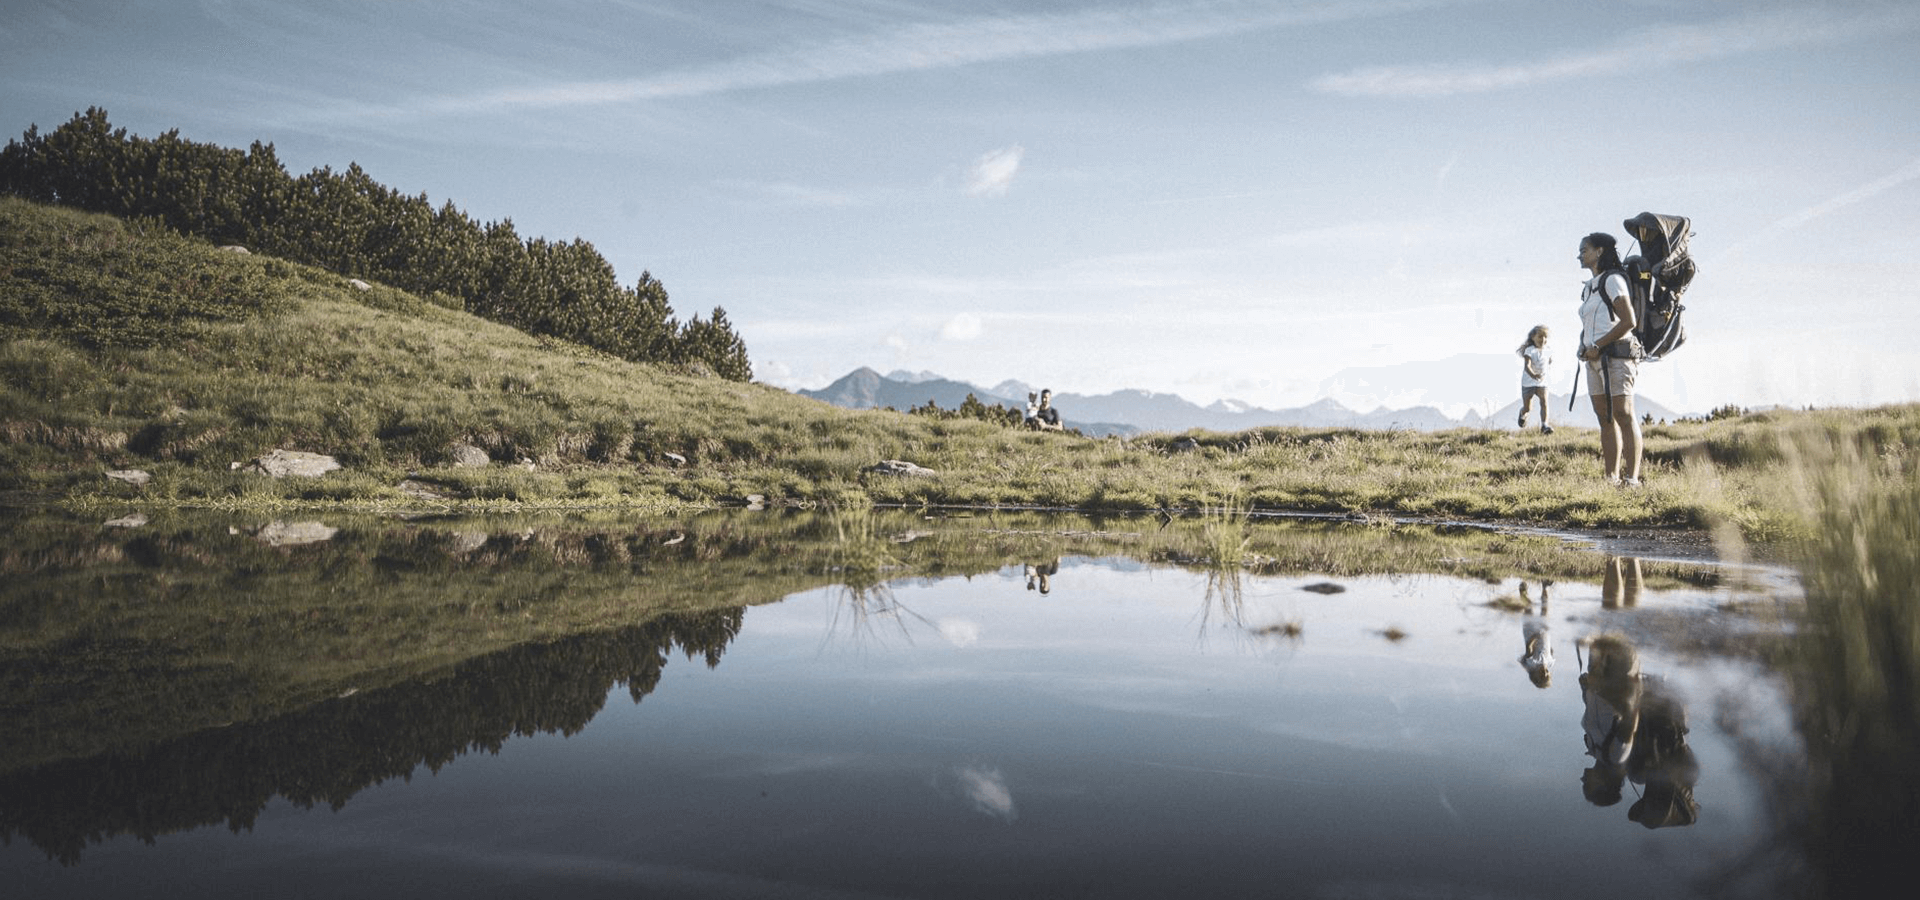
<point>1855,667</point>
<point>171,376</point>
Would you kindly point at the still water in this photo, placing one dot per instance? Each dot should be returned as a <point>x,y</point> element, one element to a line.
<point>1039,707</point>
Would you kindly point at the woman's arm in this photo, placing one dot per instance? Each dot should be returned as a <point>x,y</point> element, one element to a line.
<point>1623,321</point>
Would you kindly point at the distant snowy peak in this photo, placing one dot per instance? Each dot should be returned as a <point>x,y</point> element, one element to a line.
<point>1013,389</point>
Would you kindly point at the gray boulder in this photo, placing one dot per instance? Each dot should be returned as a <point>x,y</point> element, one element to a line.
<point>284,463</point>
<point>422,490</point>
<point>287,534</point>
<point>902,468</point>
<point>134,477</point>
<point>467,456</point>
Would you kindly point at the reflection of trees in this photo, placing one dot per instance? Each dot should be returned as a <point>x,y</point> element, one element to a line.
<point>328,753</point>
<point>112,641</point>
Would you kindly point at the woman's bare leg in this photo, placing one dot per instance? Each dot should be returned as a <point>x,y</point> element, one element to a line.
<point>1629,427</point>
<point>1609,436</point>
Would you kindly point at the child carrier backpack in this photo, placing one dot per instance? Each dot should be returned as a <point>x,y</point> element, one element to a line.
<point>1656,277</point>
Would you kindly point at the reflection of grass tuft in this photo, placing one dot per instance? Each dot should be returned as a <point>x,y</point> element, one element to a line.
<point>1225,536</point>
<point>1510,603</point>
<point>1291,629</point>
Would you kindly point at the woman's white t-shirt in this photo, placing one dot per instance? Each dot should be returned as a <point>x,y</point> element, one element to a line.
<point>1595,317</point>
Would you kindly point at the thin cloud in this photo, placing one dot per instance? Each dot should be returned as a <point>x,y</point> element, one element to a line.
<point>939,45</point>
<point>1659,46</point>
<point>790,194</point>
<point>963,327</point>
<point>993,172</point>
<point>1899,178</point>
<point>1865,192</point>
<point>960,632</point>
<point>987,788</point>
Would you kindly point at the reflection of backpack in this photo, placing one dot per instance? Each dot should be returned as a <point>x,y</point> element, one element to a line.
<point>1656,278</point>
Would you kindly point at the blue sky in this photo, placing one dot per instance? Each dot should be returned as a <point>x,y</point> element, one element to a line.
<point>1231,199</point>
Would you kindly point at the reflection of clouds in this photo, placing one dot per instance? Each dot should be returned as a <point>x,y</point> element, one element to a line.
<point>803,763</point>
<point>987,788</point>
<point>960,632</point>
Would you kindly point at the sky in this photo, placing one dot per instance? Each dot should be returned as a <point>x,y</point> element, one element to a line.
<point>1221,199</point>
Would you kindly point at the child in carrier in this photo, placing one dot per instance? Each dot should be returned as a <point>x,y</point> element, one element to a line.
<point>1534,362</point>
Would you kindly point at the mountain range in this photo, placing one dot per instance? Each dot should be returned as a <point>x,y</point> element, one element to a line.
<point>1131,411</point>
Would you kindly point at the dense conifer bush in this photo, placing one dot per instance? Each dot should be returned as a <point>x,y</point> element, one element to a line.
<point>348,223</point>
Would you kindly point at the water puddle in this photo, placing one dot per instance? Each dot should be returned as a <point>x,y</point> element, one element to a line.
<point>879,706</point>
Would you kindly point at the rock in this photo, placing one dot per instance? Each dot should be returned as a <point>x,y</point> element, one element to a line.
<point>134,477</point>
<point>359,285</point>
<point>1325,587</point>
<point>902,468</point>
<point>526,464</point>
<point>131,520</point>
<point>287,534</point>
<point>282,463</point>
<point>756,501</point>
<point>420,490</point>
<point>467,456</point>
<point>675,458</point>
<point>463,543</point>
<point>236,248</point>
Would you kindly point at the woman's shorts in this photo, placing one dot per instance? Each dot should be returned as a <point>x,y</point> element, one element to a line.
<point>1618,379</point>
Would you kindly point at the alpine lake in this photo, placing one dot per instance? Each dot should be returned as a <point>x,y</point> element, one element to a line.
<point>887,703</point>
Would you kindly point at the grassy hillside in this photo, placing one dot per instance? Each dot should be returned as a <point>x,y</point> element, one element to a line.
<point>125,346</point>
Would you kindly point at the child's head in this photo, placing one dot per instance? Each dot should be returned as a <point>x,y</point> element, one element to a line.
<point>1538,336</point>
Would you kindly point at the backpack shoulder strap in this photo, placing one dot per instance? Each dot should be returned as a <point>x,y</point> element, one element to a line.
<point>1600,287</point>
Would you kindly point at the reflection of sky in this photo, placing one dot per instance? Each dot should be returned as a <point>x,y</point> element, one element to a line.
<point>1111,738</point>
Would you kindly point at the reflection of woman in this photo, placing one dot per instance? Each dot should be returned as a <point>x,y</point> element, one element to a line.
<point>1534,361</point>
<point>1612,357</point>
<point>1037,574</point>
<point>1661,762</point>
<point>1620,587</point>
<point>1611,690</point>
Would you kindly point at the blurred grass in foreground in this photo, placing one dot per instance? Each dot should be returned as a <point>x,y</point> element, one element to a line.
<point>1856,682</point>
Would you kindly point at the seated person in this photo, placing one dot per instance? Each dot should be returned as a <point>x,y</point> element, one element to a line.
<point>1045,417</point>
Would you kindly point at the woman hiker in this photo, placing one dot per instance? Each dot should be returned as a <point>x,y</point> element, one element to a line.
<point>1612,357</point>
<point>1534,360</point>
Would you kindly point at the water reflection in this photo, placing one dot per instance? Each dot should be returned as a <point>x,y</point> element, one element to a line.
<point>326,754</point>
<point>1039,573</point>
<point>183,675</point>
<point>1621,585</point>
<point>1536,655</point>
<point>1635,728</point>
